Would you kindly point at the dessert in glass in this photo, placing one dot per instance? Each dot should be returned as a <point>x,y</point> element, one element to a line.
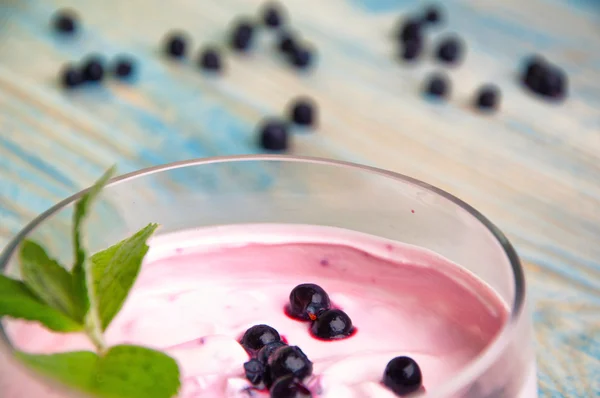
<point>277,275</point>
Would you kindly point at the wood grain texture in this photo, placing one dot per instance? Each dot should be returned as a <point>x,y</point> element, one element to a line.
<point>533,168</point>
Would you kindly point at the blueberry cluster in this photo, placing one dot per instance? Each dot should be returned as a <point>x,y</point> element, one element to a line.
<point>209,58</point>
<point>274,365</point>
<point>449,51</point>
<point>282,368</point>
<point>294,50</point>
<point>92,70</point>
<point>544,79</point>
<point>310,302</point>
<point>274,133</point>
<point>241,39</point>
<point>410,32</point>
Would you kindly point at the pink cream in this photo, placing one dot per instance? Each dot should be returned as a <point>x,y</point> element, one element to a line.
<point>200,290</point>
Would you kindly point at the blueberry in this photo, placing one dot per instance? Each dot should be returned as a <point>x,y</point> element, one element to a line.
<point>65,21</point>
<point>254,371</point>
<point>274,135</point>
<point>438,86</point>
<point>411,49</point>
<point>307,301</point>
<point>332,324</point>
<point>545,79</point>
<point>535,69</point>
<point>450,50</point>
<point>410,30</point>
<point>242,35</point>
<point>289,360</point>
<point>176,45</point>
<point>258,336</point>
<point>289,387</point>
<point>71,77</point>
<point>123,67</point>
<point>93,69</point>
<point>432,15</point>
<point>210,60</point>
<point>287,43</point>
<point>265,352</point>
<point>272,15</point>
<point>488,97</point>
<point>303,112</point>
<point>402,375</point>
<point>553,83</point>
<point>301,57</point>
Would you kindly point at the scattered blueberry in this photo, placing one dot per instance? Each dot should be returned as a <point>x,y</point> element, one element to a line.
<point>210,60</point>
<point>65,21</point>
<point>289,360</point>
<point>289,387</point>
<point>123,67</point>
<point>554,83</point>
<point>450,50</point>
<point>287,43</point>
<point>176,45</point>
<point>307,301</point>
<point>258,336</point>
<point>411,49</point>
<point>265,352</point>
<point>535,68</point>
<point>438,85</point>
<point>303,112</point>
<point>242,35</point>
<point>432,15</point>
<point>488,97</point>
<point>273,15</point>
<point>301,56</point>
<point>254,371</point>
<point>545,79</point>
<point>402,375</point>
<point>71,77</point>
<point>274,135</point>
<point>410,30</point>
<point>93,69</point>
<point>332,324</point>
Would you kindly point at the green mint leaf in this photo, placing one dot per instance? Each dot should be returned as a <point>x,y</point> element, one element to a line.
<point>82,207</point>
<point>125,371</point>
<point>47,279</point>
<point>114,271</point>
<point>18,301</point>
<point>136,372</point>
<point>74,369</point>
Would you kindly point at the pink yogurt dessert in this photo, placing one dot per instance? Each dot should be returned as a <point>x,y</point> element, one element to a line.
<point>200,290</point>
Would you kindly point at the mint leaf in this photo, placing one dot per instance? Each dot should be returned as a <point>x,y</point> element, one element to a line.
<point>114,271</point>
<point>18,301</point>
<point>82,207</point>
<point>47,279</point>
<point>125,371</point>
<point>136,372</point>
<point>75,369</point>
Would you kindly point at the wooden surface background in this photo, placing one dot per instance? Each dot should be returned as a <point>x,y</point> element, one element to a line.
<point>533,168</point>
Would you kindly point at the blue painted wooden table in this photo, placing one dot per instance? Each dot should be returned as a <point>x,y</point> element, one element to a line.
<point>533,168</point>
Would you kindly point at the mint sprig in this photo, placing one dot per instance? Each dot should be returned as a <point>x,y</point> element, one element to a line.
<point>82,206</point>
<point>123,371</point>
<point>87,299</point>
<point>49,280</point>
<point>114,271</point>
<point>18,301</point>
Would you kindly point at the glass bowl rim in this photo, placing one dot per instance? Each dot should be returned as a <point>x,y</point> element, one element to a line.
<point>461,380</point>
